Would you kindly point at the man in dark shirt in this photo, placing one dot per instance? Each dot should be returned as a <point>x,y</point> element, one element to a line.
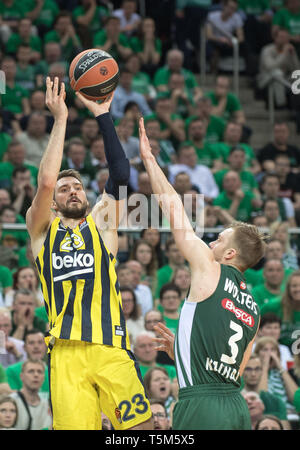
<point>279,146</point>
<point>289,181</point>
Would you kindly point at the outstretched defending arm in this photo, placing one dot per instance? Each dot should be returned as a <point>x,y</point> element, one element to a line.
<point>195,251</point>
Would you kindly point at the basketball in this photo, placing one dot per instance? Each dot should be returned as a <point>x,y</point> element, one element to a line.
<point>94,73</point>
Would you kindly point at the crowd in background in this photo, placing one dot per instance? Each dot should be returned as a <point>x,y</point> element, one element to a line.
<point>202,140</point>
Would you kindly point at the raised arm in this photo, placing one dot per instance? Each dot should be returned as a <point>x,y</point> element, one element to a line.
<point>108,212</point>
<point>195,251</point>
<point>39,215</point>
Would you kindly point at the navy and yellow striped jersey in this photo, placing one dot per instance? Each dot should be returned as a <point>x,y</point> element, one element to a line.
<point>80,286</point>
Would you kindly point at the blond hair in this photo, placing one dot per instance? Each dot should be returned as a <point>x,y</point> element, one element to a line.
<point>287,301</point>
<point>261,342</point>
<point>250,243</point>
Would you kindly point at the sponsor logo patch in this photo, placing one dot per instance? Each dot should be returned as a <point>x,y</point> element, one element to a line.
<point>103,70</point>
<point>245,317</point>
<point>243,285</point>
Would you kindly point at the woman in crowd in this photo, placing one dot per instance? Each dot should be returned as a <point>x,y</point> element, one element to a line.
<point>275,379</point>
<point>152,236</point>
<point>182,279</point>
<point>269,422</point>
<point>158,385</point>
<point>8,413</point>
<point>280,231</point>
<point>288,309</point>
<point>25,278</point>
<point>132,313</point>
<point>144,253</point>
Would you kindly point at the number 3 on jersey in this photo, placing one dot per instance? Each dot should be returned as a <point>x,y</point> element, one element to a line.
<point>232,342</point>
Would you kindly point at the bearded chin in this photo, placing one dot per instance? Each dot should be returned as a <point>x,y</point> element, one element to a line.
<point>74,213</point>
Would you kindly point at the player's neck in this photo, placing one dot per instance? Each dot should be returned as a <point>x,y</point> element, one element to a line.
<point>235,266</point>
<point>70,223</point>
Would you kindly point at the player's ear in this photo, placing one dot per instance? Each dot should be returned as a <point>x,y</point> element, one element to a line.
<point>230,253</point>
<point>54,205</point>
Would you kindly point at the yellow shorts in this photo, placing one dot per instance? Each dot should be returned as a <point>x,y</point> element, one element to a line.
<point>86,379</point>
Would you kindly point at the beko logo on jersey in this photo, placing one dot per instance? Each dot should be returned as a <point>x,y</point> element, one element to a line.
<point>239,313</point>
<point>78,260</point>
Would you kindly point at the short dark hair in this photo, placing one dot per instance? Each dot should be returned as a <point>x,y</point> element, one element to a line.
<point>269,318</point>
<point>169,287</point>
<point>70,173</point>
<point>20,169</point>
<point>135,312</point>
<point>270,175</point>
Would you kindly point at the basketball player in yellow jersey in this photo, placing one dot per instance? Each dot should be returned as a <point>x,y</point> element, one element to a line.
<point>91,367</point>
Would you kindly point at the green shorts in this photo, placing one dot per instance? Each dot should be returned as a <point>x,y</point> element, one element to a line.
<point>211,407</point>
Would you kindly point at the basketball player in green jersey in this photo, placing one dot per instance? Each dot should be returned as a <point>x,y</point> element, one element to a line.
<point>219,319</point>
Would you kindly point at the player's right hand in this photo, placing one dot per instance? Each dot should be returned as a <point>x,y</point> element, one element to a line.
<point>166,342</point>
<point>55,100</point>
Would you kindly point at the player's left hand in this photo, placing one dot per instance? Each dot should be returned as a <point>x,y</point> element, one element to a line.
<point>96,108</point>
<point>145,147</point>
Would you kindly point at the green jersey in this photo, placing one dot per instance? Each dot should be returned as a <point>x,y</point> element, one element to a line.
<point>213,335</point>
<point>288,21</point>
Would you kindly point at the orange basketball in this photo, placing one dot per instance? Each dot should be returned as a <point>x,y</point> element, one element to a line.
<point>94,73</point>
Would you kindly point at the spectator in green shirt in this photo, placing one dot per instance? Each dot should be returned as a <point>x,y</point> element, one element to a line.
<point>64,33</point>
<point>239,204</point>
<point>165,273</point>
<point>15,157</point>
<point>42,13</point>
<point>6,281</point>
<point>167,152</point>
<point>9,215</point>
<point>111,40</point>
<point>25,75</point>
<point>288,309</point>
<point>174,64</point>
<point>273,285</point>
<point>24,36</point>
<point>89,18</point>
<point>206,154</point>
<point>35,347</point>
<point>232,138</point>
<point>215,125</point>
<point>52,53</point>
<point>147,46</point>
<point>16,98</point>
<point>236,162</point>
<point>170,300</point>
<point>141,81</point>
<point>11,11</point>
<point>251,378</point>
<point>171,124</point>
<point>225,103</point>
<point>181,97</point>
<point>288,18</point>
